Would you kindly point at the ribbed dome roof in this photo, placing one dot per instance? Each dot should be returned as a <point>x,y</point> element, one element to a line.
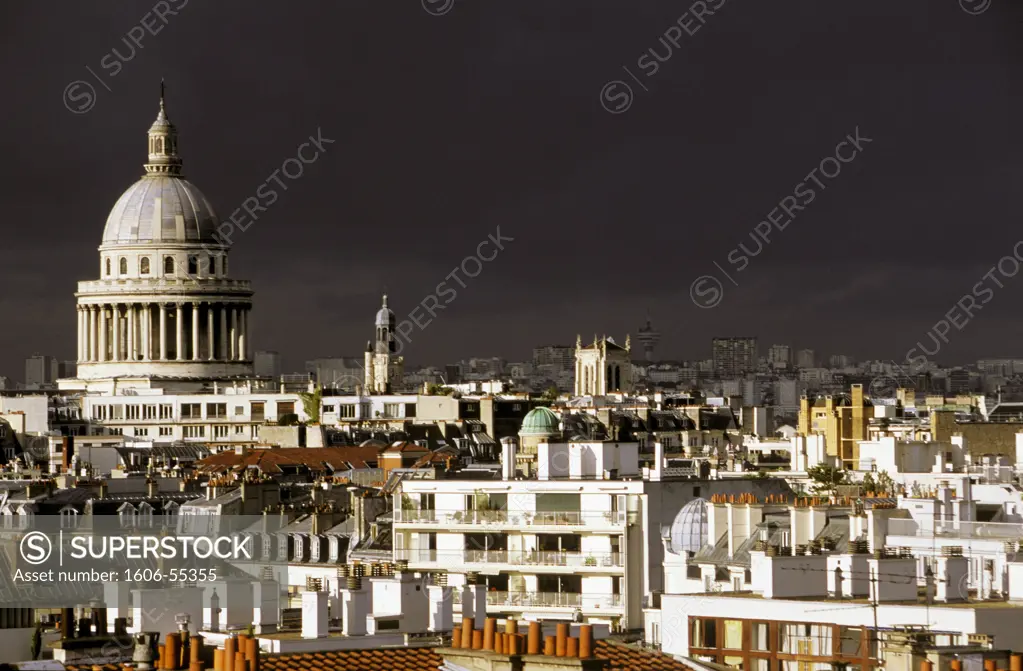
<point>689,530</point>
<point>161,207</point>
<point>541,421</point>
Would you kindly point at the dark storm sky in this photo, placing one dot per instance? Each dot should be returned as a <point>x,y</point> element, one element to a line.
<point>490,115</point>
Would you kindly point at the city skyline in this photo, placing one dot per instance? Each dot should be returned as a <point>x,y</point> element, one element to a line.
<point>325,250</point>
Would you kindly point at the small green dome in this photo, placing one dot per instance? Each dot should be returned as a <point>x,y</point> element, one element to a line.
<point>541,421</point>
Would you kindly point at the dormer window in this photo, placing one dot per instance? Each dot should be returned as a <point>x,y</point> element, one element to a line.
<point>68,517</point>
<point>127,514</point>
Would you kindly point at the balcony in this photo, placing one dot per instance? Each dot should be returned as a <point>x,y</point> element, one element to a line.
<point>577,561</point>
<point>507,518</point>
<point>518,601</point>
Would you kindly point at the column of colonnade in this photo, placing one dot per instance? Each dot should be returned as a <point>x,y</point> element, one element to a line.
<point>124,331</point>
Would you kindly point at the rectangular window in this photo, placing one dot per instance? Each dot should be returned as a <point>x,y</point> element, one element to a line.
<point>141,431</point>
<point>392,410</point>
<point>733,634</point>
<point>703,633</point>
<point>759,637</point>
<point>216,410</point>
<point>166,411</point>
<point>166,431</point>
<point>194,431</point>
<point>220,431</point>
<point>346,411</point>
<point>239,410</point>
<point>117,412</point>
<point>239,429</point>
<point>149,412</point>
<point>132,412</point>
<point>805,639</point>
<point>285,408</point>
<point>191,411</point>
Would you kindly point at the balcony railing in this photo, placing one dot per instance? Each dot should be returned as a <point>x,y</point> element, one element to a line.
<point>548,600</point>
<point>513,557</point>
<point>511,518</point>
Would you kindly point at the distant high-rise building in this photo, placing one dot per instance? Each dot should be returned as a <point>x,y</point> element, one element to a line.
<point>648,339</point>
<point>267,364</point>
<point>733,357</point>
<point>562,357</point>
<point>840,361</point>
<point>806,358</point>
<point>959,381</point>
<point>67,369</point>
<point>40,370</point>
<point>779,357</point>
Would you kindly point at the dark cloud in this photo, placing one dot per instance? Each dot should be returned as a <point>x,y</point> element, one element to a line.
<point>449,126</point>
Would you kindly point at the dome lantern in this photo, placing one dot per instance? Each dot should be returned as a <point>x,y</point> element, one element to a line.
<point>163,143</point>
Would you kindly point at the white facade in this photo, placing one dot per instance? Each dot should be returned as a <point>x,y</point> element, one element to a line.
<point>553,549</point>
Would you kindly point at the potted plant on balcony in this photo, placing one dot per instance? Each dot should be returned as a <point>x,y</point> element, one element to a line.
<point>590,561</point>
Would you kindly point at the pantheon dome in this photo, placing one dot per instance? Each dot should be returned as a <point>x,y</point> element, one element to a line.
<point>161,207</point>
<point>164,304</point>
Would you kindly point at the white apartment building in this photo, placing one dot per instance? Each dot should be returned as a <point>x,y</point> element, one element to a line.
<point>227,416</point>
<point>571,544</point>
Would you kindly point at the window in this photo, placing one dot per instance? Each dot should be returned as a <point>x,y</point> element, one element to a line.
<point>191,411</point>
<point>285,408</point>
<point>239,429</point>
<point>149,412</point>
<point>220,431</point>
<point>223,264</point>
<point>108,267</point>
<point>194,431</point>
<point>166,431</point>
<point>117,412</point>
<point>703,633</point>
<point>166,411</point>
<point>122,266</point>
<point>805,639</point>
<point>141,431</point>
<point>392,410</point>
<point>168,265</point>
<point>346,411</point>
<point>733,634</point>
<point>216,410</point>
<point>239,410</point>
<point>760,636</point>
<point>132,412</point>
<point>257,411</point>
<point>193,265</point>
<point>68,517</point>
<point>144,265</point>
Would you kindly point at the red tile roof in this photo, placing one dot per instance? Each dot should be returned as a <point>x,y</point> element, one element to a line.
<point>621,657</point>
<point>271,460</point>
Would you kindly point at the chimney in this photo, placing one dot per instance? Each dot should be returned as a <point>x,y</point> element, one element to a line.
<point>354,603</point>
<point>152,488</point>
<point>314,615</point>
<point>742,520</point>
<point>441,612</point>
<point>717,522</point>
<point>474,600</point>
<point>508,458</point>
<point>952,576</point>
<point>657,472</point>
